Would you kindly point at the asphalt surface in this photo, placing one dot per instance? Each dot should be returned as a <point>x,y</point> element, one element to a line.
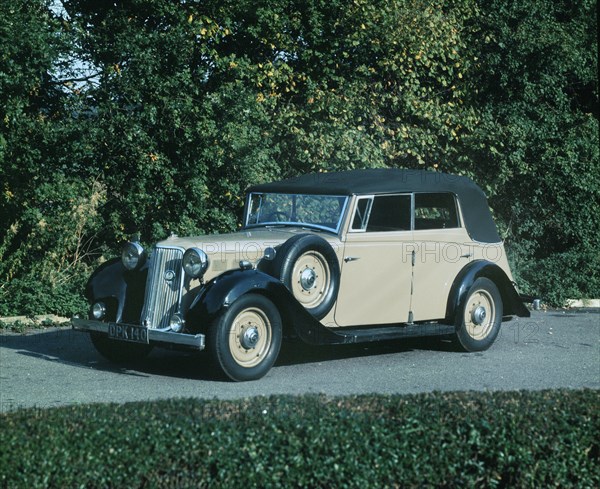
<point>552,349</point>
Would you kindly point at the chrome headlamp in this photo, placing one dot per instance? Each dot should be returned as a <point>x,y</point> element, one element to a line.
<point>99,310</point>
<point>133,256</point>
<point>195,262</point>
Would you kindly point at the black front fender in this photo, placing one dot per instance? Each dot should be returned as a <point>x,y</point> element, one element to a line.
<point>482,268</point>
<point>120,289</point>
<point>224,290</point>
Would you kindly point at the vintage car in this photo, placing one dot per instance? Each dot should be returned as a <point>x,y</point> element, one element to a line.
<point>328,258</point>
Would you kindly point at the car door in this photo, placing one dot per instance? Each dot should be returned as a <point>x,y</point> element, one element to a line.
<point>442,249</point>
<point>376,274</point>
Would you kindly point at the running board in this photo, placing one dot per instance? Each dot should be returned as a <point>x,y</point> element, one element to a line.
<point>365,335</point>
<point>339,336</point>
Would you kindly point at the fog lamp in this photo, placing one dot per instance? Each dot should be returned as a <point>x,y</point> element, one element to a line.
<point>176,323</point>
<point>99,310</point>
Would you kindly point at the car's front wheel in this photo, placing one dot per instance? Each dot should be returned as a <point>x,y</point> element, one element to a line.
<point>245,339</point>
<point>478,320</point>
<point>119,351</point>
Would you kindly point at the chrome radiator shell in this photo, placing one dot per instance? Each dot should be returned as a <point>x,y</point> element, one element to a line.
<point>164,287</point>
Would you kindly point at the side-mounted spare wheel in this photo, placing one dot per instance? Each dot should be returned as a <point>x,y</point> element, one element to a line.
<point>121,352</point>
<point>309,268</point>
<point>479,318</point>
<point>245,339</point>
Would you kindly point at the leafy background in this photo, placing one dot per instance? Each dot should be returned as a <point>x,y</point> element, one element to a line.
<point>153,116</point>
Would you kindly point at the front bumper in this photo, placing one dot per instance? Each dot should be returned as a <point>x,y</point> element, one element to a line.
<point>195,342</point>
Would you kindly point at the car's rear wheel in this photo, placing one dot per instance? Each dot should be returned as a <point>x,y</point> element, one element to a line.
<point>119,351</point>
<point>309,268</point>
<point>244,341</point>
<point>480,316</point>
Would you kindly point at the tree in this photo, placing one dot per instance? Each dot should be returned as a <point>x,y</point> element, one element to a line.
<point>537,86</point>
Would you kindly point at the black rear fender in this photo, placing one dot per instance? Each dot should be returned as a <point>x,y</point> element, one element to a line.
<point>512,303</point>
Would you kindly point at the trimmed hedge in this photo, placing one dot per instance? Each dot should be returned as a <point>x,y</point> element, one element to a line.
<point>501,439</point>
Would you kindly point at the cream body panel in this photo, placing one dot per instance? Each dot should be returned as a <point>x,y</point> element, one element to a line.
<point>225,251</point>
<point>440,254</point>
<point>376,279</point>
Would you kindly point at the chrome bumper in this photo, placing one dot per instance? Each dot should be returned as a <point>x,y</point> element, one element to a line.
<point>194,341</point>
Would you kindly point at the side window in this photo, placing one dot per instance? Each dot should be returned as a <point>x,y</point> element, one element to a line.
<point>361,215</point>
<point>390,213</point>
<point>435,211</point>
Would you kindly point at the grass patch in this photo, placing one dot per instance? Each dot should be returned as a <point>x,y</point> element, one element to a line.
<point>501,439</point>
<point>33,323</point>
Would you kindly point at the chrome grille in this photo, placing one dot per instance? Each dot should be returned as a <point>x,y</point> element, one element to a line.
<point>163,287</point>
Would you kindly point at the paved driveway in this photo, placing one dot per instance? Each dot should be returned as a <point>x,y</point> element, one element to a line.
<point>551,349</point>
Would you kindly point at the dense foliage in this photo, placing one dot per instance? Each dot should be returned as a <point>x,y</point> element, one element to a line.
<point>152,117</point>
<point>537,439</point>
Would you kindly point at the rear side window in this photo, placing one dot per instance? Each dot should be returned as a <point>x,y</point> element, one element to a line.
<point>390,213</point>
<point>435,211</point>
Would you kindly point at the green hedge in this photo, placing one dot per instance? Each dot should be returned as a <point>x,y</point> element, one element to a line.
<point>502,439</point>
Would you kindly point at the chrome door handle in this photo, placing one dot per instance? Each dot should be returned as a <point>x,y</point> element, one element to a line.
<point>467,255</point>
<point>351,258</point>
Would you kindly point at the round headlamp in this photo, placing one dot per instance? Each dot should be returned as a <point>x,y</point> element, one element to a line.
<point>133,256</point>
<point>195,262</point>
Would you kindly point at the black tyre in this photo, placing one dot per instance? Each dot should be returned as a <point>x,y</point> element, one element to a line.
<point>309,268</point>
<point>245,340</point>
<point>119,351</point>
<point>479,318</point>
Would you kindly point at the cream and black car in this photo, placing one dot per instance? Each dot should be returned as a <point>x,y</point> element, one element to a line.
<point>328,258</point>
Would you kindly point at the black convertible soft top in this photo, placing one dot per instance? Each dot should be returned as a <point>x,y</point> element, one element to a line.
<point>475,209</point>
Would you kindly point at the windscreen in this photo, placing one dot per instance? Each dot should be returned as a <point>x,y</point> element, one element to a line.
<point>317,211</point>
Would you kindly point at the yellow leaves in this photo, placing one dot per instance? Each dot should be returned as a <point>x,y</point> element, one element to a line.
<point>260,98</point>
<point>203,31</point>
<point>190,18</point>
<point>152,156</point>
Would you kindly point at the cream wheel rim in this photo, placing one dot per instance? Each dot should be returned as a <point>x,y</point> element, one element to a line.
<point>480,314</point>
<point>250,337</point>
<point>311,279</point>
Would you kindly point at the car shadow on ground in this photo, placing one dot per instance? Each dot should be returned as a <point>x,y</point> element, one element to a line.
<point>295,352</point>
<point>74,348</point>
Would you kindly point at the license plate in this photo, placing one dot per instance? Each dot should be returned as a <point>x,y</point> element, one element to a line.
<point>127,332</point>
